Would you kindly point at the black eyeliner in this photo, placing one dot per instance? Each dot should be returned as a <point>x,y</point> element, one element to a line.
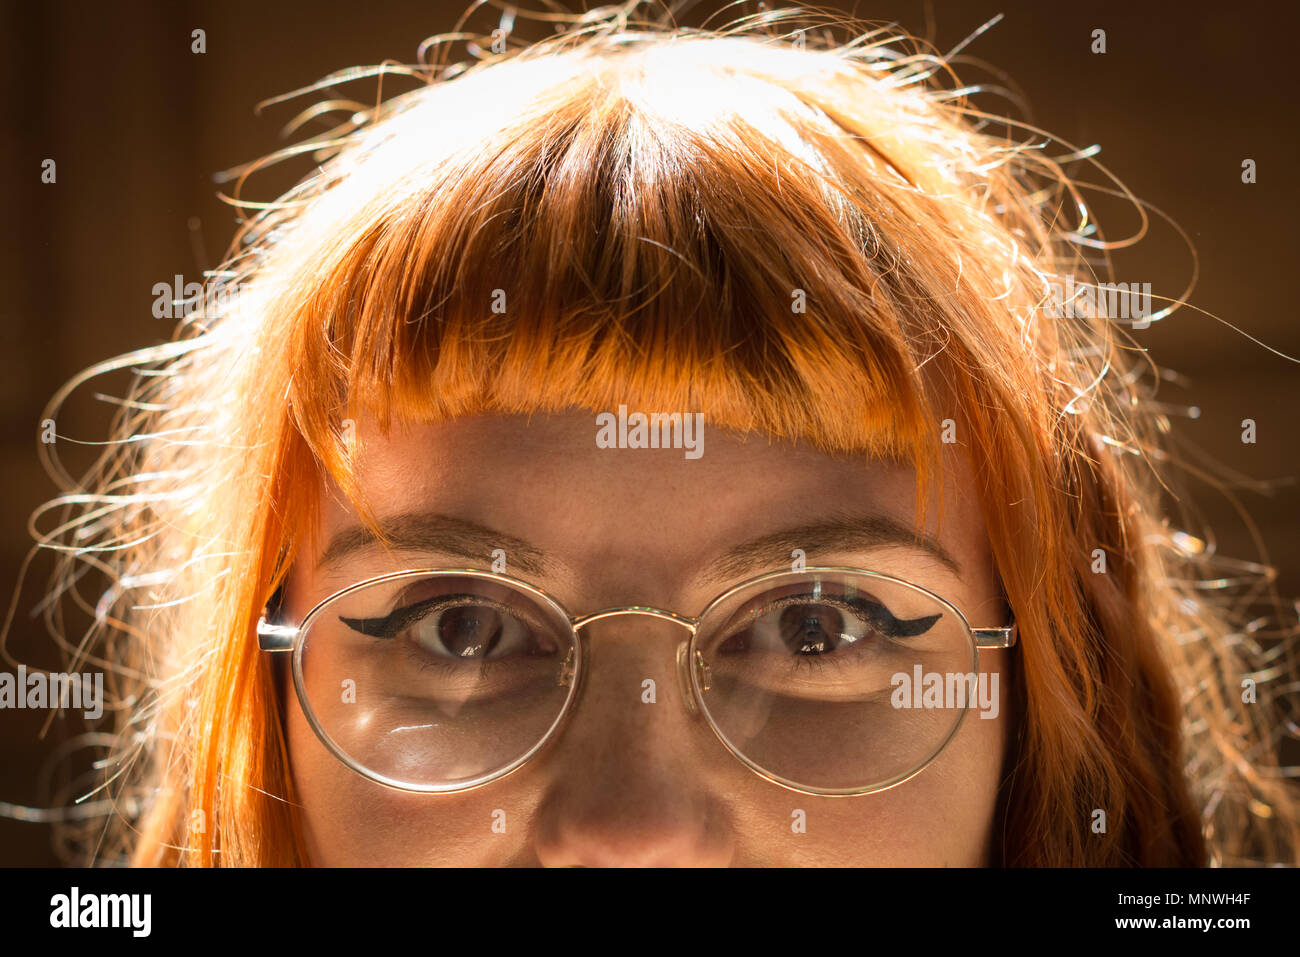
<point>392,624</point>
<point>892,626</point>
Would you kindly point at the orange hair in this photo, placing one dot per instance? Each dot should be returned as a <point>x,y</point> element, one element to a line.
<point>649,202</point>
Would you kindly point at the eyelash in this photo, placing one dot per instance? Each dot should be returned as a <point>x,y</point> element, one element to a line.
<point>391,625</point>
<point>886,624</point>
<point>880,617</point>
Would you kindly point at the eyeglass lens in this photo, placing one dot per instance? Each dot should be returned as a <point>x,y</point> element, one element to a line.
<point>439,681</point>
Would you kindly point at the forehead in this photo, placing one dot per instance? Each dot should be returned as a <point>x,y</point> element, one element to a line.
<point>589,449</point>
<point>553,466</point>
<point>546,479</point>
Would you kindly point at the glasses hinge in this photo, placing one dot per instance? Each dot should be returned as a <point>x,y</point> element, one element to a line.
<point>275,637</point>
<point>995,637</point>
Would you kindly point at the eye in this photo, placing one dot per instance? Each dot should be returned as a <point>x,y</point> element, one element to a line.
<point>802,628</point>
<point>456,626</point>
<point>811,629</point>
<point>469,631</point>
<point>807,626</point>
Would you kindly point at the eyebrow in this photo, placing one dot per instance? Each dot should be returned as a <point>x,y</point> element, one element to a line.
<point>849,533</point>
<point>432,532</point>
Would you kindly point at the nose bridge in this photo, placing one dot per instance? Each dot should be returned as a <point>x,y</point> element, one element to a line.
<point>689,624</point>
<point>633,780</point>
<point>681,658</point>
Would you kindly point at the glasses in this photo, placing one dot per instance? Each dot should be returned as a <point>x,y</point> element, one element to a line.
<point>825,681</point>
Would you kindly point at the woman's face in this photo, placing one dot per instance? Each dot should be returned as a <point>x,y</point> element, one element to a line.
<point>629,782</point>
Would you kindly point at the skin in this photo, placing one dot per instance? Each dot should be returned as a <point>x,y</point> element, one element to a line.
<point>628,783</point>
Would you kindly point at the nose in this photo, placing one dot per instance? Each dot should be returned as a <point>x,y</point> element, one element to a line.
<point>632,780</point>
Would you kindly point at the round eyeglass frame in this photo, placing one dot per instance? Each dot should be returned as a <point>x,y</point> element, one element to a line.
<point>288,638</point>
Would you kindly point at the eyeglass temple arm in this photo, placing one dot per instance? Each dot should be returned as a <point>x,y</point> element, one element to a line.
<point>275,637</point>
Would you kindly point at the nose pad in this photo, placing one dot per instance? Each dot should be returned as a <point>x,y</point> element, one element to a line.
<point>684,675</point>
<point>565,677</point>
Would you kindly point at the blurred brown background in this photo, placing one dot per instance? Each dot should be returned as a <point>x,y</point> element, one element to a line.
<point>138,124</point>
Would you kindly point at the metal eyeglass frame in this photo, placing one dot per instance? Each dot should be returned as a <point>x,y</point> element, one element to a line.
<point>288,638</point>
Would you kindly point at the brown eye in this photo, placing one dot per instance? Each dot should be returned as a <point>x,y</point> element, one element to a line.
<point>811,629</point>
<point>461,625</point>
<point>468,631</point>
<point>813,626</point>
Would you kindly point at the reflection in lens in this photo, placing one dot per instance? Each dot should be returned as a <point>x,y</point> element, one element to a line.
<point>437,680</point>
<point>807,675</point>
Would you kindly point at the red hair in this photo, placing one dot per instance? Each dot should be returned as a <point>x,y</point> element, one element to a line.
<point>806,239</point>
